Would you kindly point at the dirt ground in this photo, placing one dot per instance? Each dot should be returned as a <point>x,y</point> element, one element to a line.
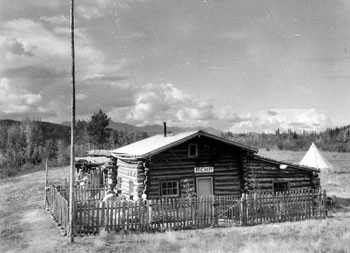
<point>25,226</point>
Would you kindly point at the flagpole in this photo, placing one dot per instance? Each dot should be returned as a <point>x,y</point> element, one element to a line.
<point>72,143</point>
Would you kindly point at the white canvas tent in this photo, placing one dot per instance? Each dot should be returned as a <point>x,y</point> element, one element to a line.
<point>314,158</point>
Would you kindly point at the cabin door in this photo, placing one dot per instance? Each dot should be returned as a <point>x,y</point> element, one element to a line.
<point>204,186</point>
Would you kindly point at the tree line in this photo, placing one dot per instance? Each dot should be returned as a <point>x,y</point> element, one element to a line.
<point>332,139</point>
<point>29,144</point>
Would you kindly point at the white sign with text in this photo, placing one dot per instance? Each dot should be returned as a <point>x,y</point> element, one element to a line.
<point>203,169</point>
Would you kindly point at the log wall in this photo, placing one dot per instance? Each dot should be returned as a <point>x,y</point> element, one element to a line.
<point>260,174</point>
<point>175,164</point>
<point>236,171</point>
<point>131,171</point>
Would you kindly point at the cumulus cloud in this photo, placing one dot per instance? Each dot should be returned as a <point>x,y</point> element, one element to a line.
<point>13,100</point>
<point>36,62</point>
<point>154,104</point>
<point>204,111</point>
<point>284,119</point>
<point>229,115</point>
<point>15,47</point>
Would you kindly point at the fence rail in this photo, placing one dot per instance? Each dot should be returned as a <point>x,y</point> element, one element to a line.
<point>92,214</point>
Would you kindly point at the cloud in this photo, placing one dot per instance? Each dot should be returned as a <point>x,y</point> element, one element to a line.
<point>229,115</point>
<point>13,100</point>
<point>272,113</point>
<point>97,9</point>
<point>284,119</point>
<point>15,47</point>
<point>36,62</point>
<point>154,104</point>
<point>204,111</point>
<point>110,78</point>
<point>57,20</point>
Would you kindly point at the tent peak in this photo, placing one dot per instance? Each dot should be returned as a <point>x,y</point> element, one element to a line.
<point>314,158</point>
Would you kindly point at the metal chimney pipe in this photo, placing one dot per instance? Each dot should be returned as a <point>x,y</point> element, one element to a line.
<point>164,124</point>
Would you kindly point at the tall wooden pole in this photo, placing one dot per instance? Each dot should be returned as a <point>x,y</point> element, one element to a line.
<point>72,150</point>
<point>46,182</point>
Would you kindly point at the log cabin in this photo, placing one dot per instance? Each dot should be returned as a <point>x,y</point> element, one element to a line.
<point>197,163</point>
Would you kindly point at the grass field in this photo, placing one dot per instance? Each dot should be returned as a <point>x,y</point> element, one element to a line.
<point>26,227</point>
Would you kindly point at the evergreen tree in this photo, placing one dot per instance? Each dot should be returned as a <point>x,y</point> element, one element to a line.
<point>98,129</point>
<point>16,147</point>
<point>35,141</point>
<point>63,154</point>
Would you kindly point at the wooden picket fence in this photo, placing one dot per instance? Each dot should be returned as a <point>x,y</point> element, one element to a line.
<point>267,207</point>
<point>57,205</point>
<point>81,195</point>
<point>142,216</point>
<point>92,214</point>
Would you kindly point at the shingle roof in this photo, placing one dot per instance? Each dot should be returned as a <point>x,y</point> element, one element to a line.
<point>158,143</point>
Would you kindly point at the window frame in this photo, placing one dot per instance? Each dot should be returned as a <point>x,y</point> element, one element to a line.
<point>169,181</point>
<point>189,149</point>
<point>279,182</point>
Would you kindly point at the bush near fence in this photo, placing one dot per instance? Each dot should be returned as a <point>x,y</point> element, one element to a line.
<point>92,214</point>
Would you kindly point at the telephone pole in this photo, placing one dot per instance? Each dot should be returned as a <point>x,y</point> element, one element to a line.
<point>72,143</point>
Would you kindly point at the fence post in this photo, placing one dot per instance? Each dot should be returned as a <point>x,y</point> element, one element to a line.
<point>214,218</point>
<point>243,208</point>
<point>46,184</point>
<point>75,223</point>
<point>324,206</point>
<point>320,203</point>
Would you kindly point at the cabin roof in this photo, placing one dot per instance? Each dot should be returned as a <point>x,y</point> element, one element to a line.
<point>158,143</point>
<point>99,152</point>
<point>288,164</point>
<point>92,159</point>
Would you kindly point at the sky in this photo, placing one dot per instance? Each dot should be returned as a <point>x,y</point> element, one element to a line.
<point>240,66</point>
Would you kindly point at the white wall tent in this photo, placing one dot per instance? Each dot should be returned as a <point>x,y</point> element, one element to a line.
<point>314,158</point>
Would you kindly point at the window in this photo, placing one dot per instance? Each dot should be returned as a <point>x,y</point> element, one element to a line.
<point>192,150</point>
<point>280,186</point>
<point>169,189</point>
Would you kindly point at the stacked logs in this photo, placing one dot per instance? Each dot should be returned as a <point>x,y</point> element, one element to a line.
<point>110,168</point>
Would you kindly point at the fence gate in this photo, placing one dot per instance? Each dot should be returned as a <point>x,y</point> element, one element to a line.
<point>227,211</point>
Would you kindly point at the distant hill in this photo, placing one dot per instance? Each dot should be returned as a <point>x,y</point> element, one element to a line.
<point>153,129</point>
<point>55,131</point>
<point>50,130</point>
<point>336,139</point>
<point>8,122</point>
<point>332,139</point>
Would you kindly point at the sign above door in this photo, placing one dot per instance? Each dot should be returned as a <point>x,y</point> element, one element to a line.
<point>199,170</point>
